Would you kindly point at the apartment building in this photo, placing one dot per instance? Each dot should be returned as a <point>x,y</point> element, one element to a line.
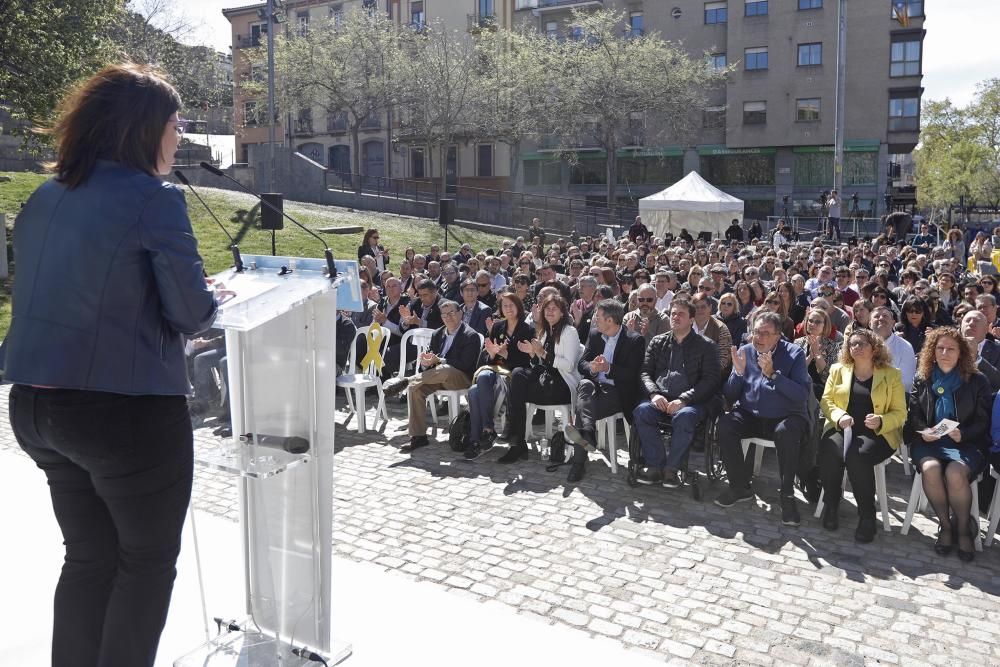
<point>770,132</point>
<point>324,138</point>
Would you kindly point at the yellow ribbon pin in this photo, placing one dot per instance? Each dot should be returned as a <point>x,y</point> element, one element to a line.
<point>374,355</point>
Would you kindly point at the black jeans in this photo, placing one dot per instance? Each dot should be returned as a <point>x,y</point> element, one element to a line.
<point>787,434</point>
<point>860,467</point>
<point>595,401</point>
<point>524,389</point>
<point>119,470</point>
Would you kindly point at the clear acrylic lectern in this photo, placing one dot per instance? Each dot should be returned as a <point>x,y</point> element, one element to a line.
<point>280,342</point>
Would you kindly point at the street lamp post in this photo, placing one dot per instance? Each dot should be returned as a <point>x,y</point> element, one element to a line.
<point>270,96</point>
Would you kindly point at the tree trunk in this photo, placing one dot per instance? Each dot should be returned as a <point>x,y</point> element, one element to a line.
<point>515,163</point>
<point>356,157</point>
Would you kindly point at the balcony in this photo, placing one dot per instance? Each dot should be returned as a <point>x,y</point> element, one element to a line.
<point>250,42</point>
<point>303,128</point>
<point>635,139</point>
<point>373,122</point>
<point>336,123</point>
<point>551,5</point>
<point>552,142</point>
<point>480,22</point>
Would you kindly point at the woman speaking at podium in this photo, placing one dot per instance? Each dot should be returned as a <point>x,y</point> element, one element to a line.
<point>108,280</point>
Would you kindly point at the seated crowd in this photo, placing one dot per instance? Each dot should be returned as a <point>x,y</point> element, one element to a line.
<point>840,355</point>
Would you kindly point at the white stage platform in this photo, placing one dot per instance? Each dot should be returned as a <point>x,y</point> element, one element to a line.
<point>388,618</point>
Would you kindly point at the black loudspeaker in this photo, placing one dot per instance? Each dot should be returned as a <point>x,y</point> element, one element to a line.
<point>271,219</point>
<point>446,212</point>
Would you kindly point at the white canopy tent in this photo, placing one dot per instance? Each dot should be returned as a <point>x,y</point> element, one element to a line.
<point>691,203</point>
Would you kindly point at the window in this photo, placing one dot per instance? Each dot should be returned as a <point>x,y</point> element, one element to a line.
<point>531,172</point>
<point>250,113</point>
<point>636,129</point>
<point>714,118</point>
<point>904,111</point>
<point>486,8</point>
<point>257,33</point>
<point>754,113</point>
<point>551,173</point>
<point>755,7</point>
<point>810,54</point>
<point>552,29</point>
<point>303,23</point>
<point>756,58</point>
<point>337,14</point>
<point>717,60</point>
<point>417,162</point>
<point>589,172</point>
<point>914,9</point>
<point>904,58</point>
<point>650,170</point>
<point>807,109</point>
<point>576,33</point>
<point>336,122</point>
<point>484,160</point>
<point>810,4</point>
<point>636,24</point>
<point>417,17</point>
<point>738,169</point>
<point>715,12</point>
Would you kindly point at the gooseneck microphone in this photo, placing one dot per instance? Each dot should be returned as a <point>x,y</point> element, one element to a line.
<point>237,260</point>
<point>326,249</point>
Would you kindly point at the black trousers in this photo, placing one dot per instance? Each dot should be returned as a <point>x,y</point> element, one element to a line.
<point>524,389</point>
<point>595,401</point>
<point>119,470</point>
<point>786,432</point>
<point>860,467</point>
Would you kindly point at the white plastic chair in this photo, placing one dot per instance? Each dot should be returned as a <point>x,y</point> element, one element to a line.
<point>904,457</point>
<point>918,502</point>
<point>760,444</point>
<point>565,411</point>
<point>355,384</point>
<point>993,517</point>
<point>607,428</point>
<point>880,490</point>
<point>421,339</point>
<point>452,397</point>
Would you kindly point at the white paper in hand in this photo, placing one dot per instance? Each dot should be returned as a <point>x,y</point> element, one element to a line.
<point>941,429</point>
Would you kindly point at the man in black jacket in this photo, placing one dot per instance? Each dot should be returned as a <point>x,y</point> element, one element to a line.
<point>974,329</point>
<point>449,363</point>
<point>609,367</point>
<point>426,312</point>
<point>681,377</point>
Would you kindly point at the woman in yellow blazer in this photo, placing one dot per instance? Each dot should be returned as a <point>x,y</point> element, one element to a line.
<point>864,393</point>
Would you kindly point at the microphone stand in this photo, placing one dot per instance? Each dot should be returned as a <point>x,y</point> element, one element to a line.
<point>327,252</point>
<point>237,260</point>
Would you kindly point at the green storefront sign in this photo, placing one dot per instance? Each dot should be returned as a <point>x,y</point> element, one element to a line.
<point>723,150</point>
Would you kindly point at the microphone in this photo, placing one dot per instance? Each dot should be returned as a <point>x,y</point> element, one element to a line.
<point>237,260</point>
<point>326,249</point>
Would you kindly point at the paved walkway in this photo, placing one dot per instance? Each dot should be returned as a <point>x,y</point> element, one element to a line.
<point>653,569</point>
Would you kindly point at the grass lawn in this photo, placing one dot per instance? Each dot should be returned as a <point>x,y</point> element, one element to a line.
<point>397,233</point>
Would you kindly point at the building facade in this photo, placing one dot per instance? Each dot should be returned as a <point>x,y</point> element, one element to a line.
<point>324,137</point>
<point>769,133</point>
<point>766,137</point>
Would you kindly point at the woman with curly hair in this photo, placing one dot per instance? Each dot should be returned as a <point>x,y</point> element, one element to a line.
<point>948,386</point>
<point>864,393</point>
<point>821,350</point>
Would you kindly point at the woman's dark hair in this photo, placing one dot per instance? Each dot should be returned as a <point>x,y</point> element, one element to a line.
<point>915,304</point>
<point>543,327</point>
<point>368,235</point>
<point>118,114</point>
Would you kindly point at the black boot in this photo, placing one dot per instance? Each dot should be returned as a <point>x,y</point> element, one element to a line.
<point>831,508</point>
<point>516,451</point>
<point>579,464</point>
<point>865,532</point>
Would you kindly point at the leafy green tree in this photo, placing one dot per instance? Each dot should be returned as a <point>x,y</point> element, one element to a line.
<point>46,45</point>
<point>611,89</point>
<point>347,68</point>
<point>959,152</point>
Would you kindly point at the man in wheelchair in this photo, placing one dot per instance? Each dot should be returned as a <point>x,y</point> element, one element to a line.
<point>681,378</point>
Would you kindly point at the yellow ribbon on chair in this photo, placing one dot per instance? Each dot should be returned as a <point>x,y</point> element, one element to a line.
<point>373,357</point>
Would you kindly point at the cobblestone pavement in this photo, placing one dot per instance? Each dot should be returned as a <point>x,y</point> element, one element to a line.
<point>651,568</point>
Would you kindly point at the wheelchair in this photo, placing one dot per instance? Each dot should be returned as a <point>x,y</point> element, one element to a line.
<point>705,446</point>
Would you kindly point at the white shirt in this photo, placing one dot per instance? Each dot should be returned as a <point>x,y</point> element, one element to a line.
<point>449,338</point>
<point>610,343</point>
<point>902,356</point>
<point>663,302</point>
<point>499,281</point>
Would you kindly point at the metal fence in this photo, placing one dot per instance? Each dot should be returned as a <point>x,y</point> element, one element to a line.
<point>501,208</point>
<point>809,228</point>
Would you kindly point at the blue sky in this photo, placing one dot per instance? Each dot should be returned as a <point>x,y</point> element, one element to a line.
<point>960,49</point>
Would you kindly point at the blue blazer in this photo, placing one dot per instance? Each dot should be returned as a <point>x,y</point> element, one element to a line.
<point>108,280</point>
<point>783,395</point>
